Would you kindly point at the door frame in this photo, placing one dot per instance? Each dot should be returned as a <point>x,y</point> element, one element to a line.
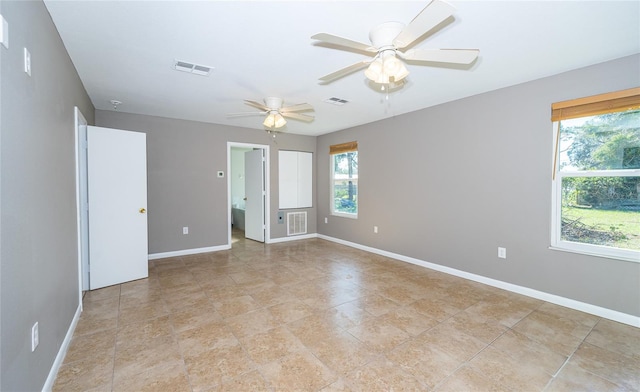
<point>80,135</point>
<point>267,183</point>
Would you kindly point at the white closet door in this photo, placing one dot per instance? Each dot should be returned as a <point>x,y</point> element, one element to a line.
<point>117,182</point>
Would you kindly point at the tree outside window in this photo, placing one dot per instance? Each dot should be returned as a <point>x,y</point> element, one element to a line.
<point>597,184</point>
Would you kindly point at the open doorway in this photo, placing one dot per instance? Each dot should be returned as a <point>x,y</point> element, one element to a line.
<point>248,192</point>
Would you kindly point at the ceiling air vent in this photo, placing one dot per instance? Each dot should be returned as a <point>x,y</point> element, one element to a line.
<point>336,101</point>
<point>192,68</point>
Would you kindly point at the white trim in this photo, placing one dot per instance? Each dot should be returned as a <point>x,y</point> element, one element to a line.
<point>78,118</point>
<point>552,298</point>
<point>292,238</point>
<point>267,187</point>
<point>186,252</point>
<point>53,373</point>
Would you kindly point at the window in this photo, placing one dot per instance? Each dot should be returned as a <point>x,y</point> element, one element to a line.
<point>344,179</point>
<point>596,179</point>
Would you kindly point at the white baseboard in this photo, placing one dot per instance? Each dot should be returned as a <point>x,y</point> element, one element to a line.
<point>552,298</point>
<point>53,373</point>
<point>186,252</point>
<point>292,238</point>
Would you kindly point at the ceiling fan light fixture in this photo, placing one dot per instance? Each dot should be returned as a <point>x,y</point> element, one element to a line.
<point>386,68</point>
<point>274,120</point>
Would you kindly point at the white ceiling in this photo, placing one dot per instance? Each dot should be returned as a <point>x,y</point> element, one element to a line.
<point>124,50</point>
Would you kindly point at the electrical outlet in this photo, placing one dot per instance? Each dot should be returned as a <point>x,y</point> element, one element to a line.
<point>375,229</point>
<point>35,337</point>
<point>326,220</point>
<point>185,230</point>
<point>502,253</point>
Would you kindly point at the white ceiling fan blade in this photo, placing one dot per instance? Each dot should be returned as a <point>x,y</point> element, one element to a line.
<point>301,107</point>
<point>244,114</point>
<point>456,56</point>
<point>431,16</point>
<point>340,41</point>
<point>299,116</point>
<point>257,105</point>
<point>344,71</point>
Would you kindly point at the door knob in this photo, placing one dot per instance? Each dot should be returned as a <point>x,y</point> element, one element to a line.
<point>142,210</point>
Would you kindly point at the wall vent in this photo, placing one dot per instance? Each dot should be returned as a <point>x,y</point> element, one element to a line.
<point>336,101</point>
<point>192,68</point>
<point>296,223</point>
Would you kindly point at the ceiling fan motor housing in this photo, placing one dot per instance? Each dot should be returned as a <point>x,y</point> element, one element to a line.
<point>382,36</point>
<point>273,103</point>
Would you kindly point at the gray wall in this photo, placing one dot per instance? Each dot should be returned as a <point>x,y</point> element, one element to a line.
<point>183,190</point>
<point>451,183</point>
<point>39,264</point>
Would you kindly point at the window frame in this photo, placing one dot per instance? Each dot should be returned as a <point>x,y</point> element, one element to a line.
<point>339,150</point>
<point>557,243</point>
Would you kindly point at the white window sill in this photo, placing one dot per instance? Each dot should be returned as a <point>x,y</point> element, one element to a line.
<point>350,216</point>
<point>623,257</point>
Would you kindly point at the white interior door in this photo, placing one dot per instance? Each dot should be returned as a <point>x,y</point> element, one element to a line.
<point>254,188</point>
<point>117,182</point>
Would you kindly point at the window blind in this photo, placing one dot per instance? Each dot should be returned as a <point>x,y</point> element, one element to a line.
<point>342,148</point>
<point>597,104</point>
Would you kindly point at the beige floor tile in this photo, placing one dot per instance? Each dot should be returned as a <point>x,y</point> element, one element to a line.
<point>216,366</point>
<point>166,377</point>
<point>288,312</point>
<point>313,328</point>
<point>133,358</point>
<point>235,306</point>
<point>401,295</point>
<point>409,320</point>
<point>486,330</point>
<point>251,381</point>
<point>434,308</point>
<point>269,346</point>
<point>204,337</point>
<point>415,357</point>
<point>500,367</point>
<point>614,367</point>
<point>313,315</point>
<point>558,334</point>
<point>103,293</point>
<point>95,372</point>
<point>272,296</point>
<point>379,335</point>
<point>300,371</point>
<point>573,378</point>
<point>503,311</point>
<point>616,337</point>
<point>88,324</point>
<point>251,323</point>
<point>144,330</point>
<point>376,305</point>
<point>382,376</point>
<point>97,344</point>
<point>347,315</point>
<point>142,313</point>
<point>342,352</point>
<point>446,338</point>
<point>523,349</point>
<point>467,379</point>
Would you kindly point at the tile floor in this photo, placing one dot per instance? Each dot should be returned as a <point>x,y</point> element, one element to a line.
<point>313,315</point>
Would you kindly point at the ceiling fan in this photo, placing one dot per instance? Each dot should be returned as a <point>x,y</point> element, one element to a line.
<point>390,38</point>
<point>275,112</point>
